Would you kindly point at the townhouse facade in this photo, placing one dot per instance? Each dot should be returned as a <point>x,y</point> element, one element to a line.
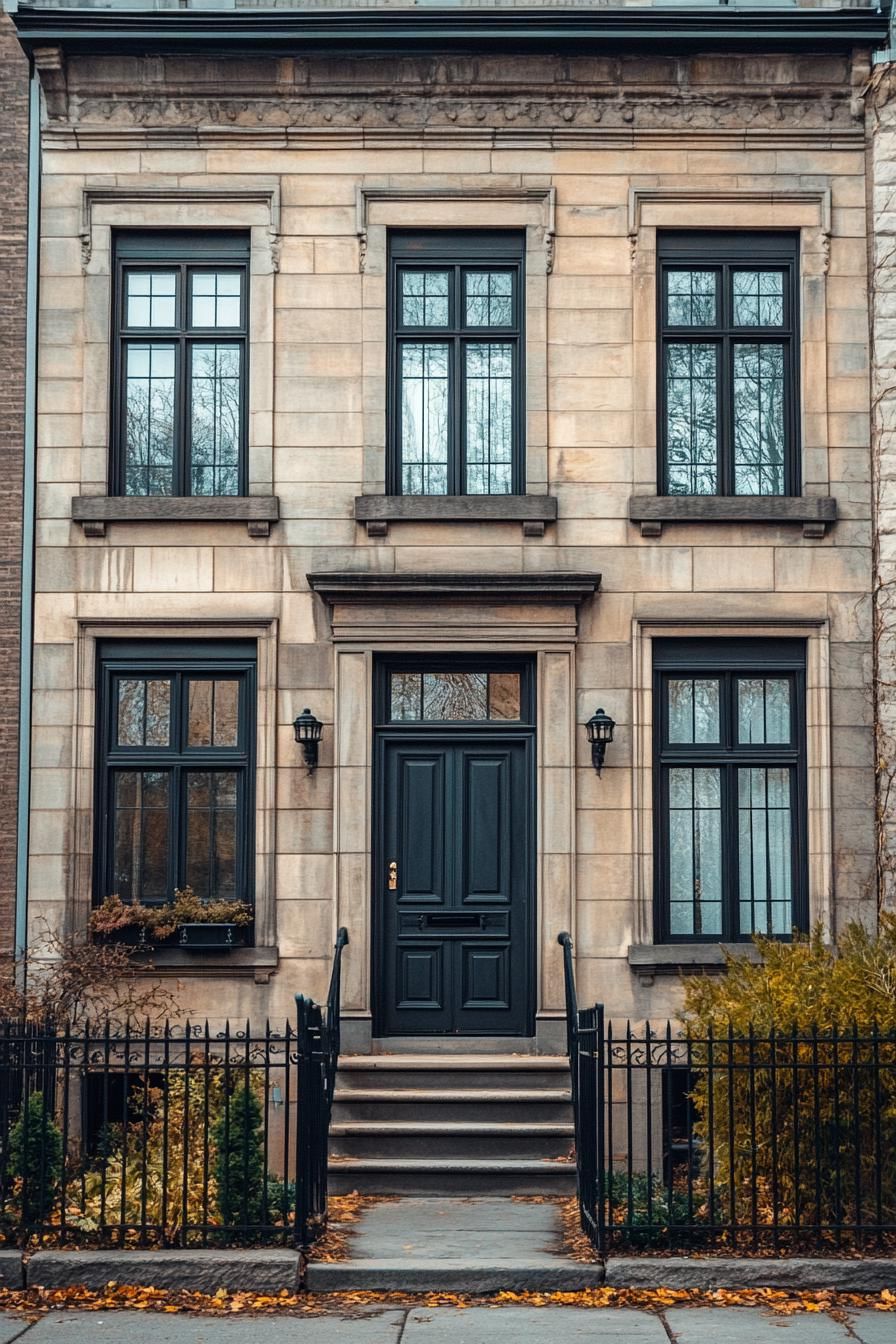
<point>454,496</point>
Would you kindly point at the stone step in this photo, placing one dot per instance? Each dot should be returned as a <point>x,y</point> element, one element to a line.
<point>451,1072</point>
<point>465,1139</point>
<point>439,1095</point>
<point>410,1107</point>
<point>488,1275</point>
<point>451,1176</point>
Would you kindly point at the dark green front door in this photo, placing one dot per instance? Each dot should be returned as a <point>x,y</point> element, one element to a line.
<point>455,913</point>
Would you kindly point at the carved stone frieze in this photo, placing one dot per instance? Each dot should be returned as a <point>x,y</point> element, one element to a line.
<point>690,94</point>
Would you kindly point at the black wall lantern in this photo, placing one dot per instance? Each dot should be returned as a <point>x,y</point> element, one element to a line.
<point>600,734</point>
<point>308,730</point>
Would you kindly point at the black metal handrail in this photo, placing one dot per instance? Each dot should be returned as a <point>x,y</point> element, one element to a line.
<point>572,1009</point>
<point>318,1038</point>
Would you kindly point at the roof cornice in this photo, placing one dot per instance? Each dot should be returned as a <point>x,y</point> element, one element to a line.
<point>88,29</point>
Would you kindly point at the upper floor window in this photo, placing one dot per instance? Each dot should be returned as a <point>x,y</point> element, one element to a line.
<point>179,369</point>
<point>455,360</point>
<point>728,364</point>
<point>176,746</point>
<point>729,788</point>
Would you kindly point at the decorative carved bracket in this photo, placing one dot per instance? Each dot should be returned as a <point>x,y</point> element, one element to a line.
<point>546,197</point>
<point>49,62</point>
<point>267,196</point>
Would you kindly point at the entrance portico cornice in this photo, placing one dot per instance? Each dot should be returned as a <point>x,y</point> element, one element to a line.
<point>364,586</point>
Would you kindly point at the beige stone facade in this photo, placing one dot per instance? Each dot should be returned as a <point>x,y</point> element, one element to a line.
<point>317,158</point>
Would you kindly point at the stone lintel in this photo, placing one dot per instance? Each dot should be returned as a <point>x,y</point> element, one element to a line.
<point>814,512</point>
<point>93,512</point>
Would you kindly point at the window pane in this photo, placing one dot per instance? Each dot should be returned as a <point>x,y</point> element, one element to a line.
<point>212,716</point>
<point>764,851</point>
<point>211,834</point>
<point>140,835</point>
<point>405,695</point>
<point>144,713</point>
<point>424,298</point>
<point>504,695</point>
<point>691,298</point>
<point>149,419</point>
<point>691,419</point>
<point>763,710</point>
<point>489,298</point>
<point>759,420</point>
<point>455,695</point>
<point>151,299</point>
<point>489,385</point>
<point>424,419</point>
<point>215,419</point>
<point>693,710</point>
<point>758,298</point>
<point>695,851</point>
<point>215,299</point>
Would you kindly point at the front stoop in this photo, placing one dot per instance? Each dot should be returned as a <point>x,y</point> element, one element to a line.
<point>200,1271</point>
<point>452,1124</point>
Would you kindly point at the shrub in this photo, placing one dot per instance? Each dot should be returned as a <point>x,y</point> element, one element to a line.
<point>35,1158</point>
<point>644,1214</point>
<point>796,1120</point>
<point>239,1159</point>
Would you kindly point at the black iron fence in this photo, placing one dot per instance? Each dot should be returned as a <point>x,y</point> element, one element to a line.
<point>176,1136</point>
<point>778,1141</point>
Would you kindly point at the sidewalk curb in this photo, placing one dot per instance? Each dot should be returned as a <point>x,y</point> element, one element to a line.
<point>205,1271</point>
<point>421,1276</point>
<point>856,1276</point>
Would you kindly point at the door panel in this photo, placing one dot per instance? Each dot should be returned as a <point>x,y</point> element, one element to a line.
<point>454,945</point>
<point>420,789</point>
<point>485,839</point>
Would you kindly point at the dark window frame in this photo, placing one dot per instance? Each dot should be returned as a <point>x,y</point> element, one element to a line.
<point>726,252</point>
<point>458,250</point>
<point>181,660</point>
<point>184,252</point>
<point>729,659</point>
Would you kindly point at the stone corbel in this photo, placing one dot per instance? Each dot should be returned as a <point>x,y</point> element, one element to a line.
<point>49,62</point>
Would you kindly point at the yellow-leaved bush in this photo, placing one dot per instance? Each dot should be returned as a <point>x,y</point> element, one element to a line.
<point>795,1084</point>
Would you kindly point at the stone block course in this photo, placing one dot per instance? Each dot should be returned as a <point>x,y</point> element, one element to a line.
<point>269,1271</point>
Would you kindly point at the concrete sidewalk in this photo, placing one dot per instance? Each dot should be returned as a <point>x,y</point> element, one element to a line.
<point>447,1325</point>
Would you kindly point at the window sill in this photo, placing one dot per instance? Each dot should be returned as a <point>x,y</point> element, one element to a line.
<point>649,960</point>
<point>814,512</point>
<point>378,511</point>
<point>93,512</point>
<point>257,962</point>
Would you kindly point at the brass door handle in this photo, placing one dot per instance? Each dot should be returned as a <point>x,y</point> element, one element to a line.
<point>393,876</point>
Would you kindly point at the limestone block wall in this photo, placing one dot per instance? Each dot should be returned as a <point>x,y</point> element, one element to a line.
<point>317,403</point>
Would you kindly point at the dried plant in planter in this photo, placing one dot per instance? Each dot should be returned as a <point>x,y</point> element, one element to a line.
<point>162,921</point>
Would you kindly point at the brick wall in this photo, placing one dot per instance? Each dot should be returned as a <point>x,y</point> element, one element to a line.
<point>13,223</point>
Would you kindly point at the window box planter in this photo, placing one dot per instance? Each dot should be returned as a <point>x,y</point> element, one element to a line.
<point>214,937</point>
<point>132,936</point>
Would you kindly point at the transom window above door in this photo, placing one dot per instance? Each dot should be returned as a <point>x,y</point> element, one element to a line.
<point>728,364</point>
<point>427,691</point>
<point>455,363</point>
<point>179,366</point>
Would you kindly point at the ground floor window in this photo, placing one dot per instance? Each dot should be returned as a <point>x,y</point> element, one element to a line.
<point>175,748</point>
<point>729,790</point>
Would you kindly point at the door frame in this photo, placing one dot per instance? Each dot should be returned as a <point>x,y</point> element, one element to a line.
<point>491,730</point>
